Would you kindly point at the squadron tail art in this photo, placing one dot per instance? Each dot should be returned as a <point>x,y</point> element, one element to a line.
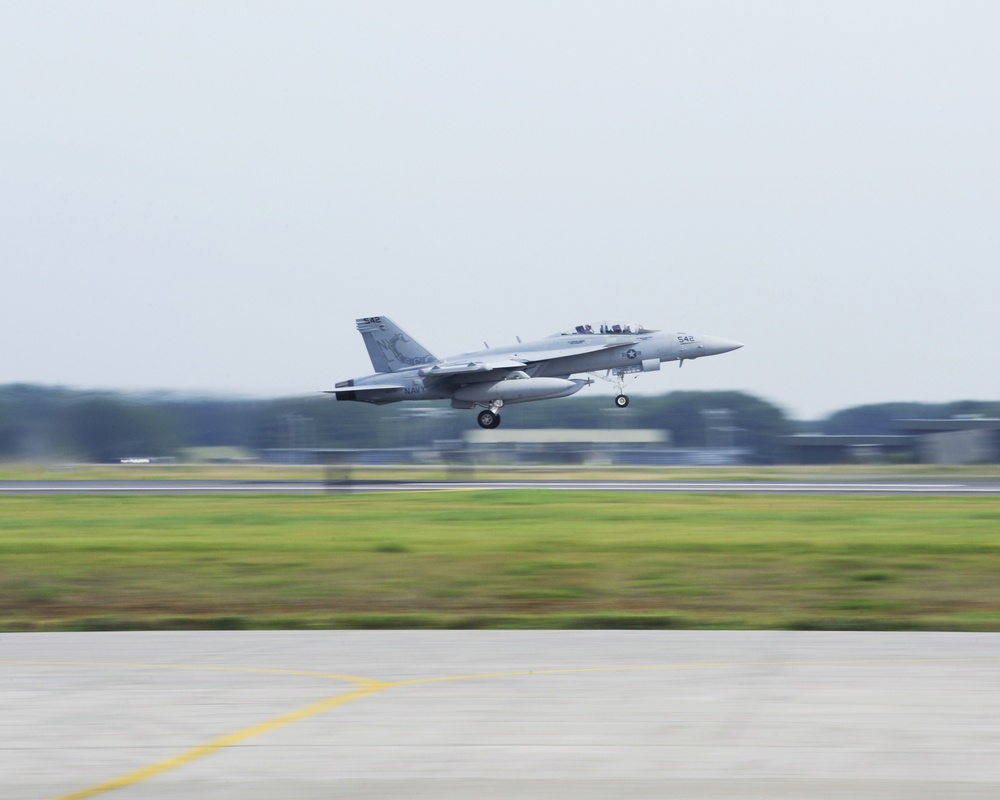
<point>538,370</point>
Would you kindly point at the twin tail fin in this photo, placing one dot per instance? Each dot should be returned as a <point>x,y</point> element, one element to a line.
<point>390,348</point>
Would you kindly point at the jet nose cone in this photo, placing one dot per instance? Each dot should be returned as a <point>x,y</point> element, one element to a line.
<point>714,345</point>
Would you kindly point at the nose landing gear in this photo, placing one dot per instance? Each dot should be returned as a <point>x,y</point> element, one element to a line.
<point>621,399</point>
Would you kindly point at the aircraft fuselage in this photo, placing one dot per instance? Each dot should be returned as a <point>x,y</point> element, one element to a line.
<point>643,352</point>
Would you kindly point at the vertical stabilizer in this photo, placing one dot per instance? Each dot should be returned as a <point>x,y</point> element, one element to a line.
<point>391,349</point>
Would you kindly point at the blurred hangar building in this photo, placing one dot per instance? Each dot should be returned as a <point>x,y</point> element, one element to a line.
<point>620,446</point>
<point>958,440</point>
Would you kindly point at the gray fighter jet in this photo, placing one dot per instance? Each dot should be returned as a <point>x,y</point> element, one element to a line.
<point>539,370</point>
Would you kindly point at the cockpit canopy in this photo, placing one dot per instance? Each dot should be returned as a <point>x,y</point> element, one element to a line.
<point>607,327</point>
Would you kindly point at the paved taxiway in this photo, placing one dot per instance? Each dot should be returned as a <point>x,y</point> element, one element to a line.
<point>489,714</point>
<point>166,487</point>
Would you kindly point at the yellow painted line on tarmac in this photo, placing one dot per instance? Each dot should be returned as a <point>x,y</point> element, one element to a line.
<point>201,751</point>
<point>365,687</point>
<point>370,686</point>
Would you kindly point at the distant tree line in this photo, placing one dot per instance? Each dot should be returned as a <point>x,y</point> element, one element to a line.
<point>40,422</point>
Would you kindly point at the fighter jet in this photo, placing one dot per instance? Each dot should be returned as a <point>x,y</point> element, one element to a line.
<point>538,370</point>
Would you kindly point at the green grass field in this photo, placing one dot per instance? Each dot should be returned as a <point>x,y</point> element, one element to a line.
<point>500,559</point>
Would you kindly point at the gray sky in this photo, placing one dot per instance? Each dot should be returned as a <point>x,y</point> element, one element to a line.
<point>203,196</point>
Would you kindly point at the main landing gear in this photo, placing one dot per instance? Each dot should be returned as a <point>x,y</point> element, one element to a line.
<point>621,401</point>
<point>490,418</point>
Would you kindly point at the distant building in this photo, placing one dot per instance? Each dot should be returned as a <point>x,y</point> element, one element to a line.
<point>959,440</point>
<point>822,449</point>
<point>625,446</point>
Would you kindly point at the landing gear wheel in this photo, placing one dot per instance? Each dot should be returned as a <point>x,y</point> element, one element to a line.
<point>488,419</point>
<point>621,401</point>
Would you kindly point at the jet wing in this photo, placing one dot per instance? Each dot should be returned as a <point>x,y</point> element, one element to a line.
<point>452,369</point>
<point>376,388</point>
<point>565,352</point>
<point>469,368</point>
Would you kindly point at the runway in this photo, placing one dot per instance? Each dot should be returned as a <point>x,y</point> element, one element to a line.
<point>491,714</point>
<point>168,487</point>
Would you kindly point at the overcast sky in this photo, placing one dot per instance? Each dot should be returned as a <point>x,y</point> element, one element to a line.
<point>202,197</point>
